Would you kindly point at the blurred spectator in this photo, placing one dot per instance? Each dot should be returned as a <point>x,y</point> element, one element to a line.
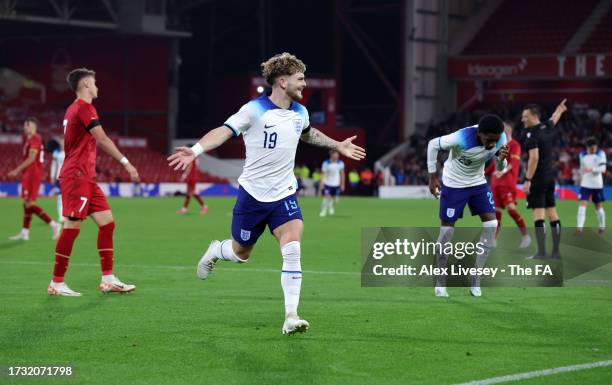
<point>304,172</point>
<point>353,178</point>
<point>366,177</point>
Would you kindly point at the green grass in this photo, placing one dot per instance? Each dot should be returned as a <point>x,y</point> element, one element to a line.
<point>176,329</point>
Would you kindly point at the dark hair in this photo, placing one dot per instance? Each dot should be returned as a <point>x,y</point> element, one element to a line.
<point>490,124</point>
<point>534,109</point>
<point>591,141</point>
<point>75,76</point>
<point>31,119</point>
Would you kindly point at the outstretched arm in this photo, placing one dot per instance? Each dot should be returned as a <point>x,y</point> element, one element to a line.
<point>561,108</point>
<point>185,155</point>
<point>346,147</point>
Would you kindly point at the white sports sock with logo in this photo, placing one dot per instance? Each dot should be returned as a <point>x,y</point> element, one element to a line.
<point>291,276</point>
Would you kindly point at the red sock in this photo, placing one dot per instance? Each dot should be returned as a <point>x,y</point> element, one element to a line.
<point>197,197</point>
<point>187,198</point>
<point>27,217</point>
<point>62,253</point>
<point>41,213</point>
<point>498,215</point>
<point>105,247</point>
<point>519,220</point>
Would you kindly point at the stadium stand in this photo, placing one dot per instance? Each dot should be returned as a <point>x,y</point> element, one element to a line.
<point>575,126</point>
<point>525,27</point>
<point>600,39</point>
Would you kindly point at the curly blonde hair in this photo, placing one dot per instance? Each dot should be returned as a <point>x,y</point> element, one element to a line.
<point>281,64</point>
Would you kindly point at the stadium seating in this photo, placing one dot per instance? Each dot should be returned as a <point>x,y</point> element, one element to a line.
<point>522,27</point>
<point>600,39</point>
<point>13,114</point>
<point>151,165</point>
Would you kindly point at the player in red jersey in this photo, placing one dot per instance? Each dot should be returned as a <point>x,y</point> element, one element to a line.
<point>81,196</point>
<point>503,184</point>
<point>191,177</point>
<point>30,181</point>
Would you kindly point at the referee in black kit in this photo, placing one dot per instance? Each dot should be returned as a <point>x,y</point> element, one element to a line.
<point>539,182</point>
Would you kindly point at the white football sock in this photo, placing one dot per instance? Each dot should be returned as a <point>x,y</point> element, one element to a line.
<point>59,206</point>
<point>108,278</point>
<point>581,216</point>
<point>226,252</point>
<point>291,276</point>
<point>601,218</point>
<point>324,205</point>
<point>25,231</point>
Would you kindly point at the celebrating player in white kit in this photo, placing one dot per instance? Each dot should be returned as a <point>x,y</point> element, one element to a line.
<point>592,166</point>
<point>463,182</point>
<point>271,127</point>
<point>332,182</point>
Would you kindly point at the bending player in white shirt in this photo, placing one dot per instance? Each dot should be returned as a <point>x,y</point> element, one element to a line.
<point>463,182</point>
<point>271,127</point>
<point>332,182</point>
<point>56,165</point>
<point>593,164</point>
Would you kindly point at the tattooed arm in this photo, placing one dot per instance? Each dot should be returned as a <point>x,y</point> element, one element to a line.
<point>319,139</point>
<point>346,147</point>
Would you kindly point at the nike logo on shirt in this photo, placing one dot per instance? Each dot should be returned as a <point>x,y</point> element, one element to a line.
<point>266,126</point>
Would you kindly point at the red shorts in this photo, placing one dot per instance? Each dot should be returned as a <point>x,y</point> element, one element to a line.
<point>82,198</point>
<point>30,184</point>
<point>504,195</point>
<point>191,187</point>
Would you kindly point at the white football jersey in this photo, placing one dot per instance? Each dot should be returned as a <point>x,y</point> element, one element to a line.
<point>597,163</point>
<point>271,135</point>
<point>466,160</point>
<point>331,172</point>
<point>57,160</point>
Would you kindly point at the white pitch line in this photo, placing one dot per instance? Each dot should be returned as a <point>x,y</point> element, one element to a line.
<point>179,267</point>
<point>538,373</point>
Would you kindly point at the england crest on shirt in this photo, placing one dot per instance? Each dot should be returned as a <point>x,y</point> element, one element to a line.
<point>297,125</point>
<point>245,234</point>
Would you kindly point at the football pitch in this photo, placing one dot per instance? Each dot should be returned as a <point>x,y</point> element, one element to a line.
<point>176,329</point>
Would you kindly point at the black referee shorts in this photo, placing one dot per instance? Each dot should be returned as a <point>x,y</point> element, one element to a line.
<point>542,194</point>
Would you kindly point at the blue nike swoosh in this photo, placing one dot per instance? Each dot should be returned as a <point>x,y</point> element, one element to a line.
<point>266,126</point>
<point>290,214</point>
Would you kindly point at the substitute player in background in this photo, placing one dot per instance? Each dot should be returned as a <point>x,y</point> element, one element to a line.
<point>272,127</point>
<point>332,182</point>
<point>191,177</point>
<point>57,160</point>
<point>539,182</point>
<point>81,196</point>
<point>593,165</point>
<point>503,184</point>
<point>463,182</point>
<point>31,179</point>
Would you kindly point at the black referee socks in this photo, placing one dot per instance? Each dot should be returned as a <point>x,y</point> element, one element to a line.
<point>555,226</point>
